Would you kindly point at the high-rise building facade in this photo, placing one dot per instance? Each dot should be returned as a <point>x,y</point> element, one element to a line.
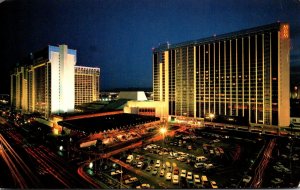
<point>86,84</point>
<point>244,74</point>
<point>45,81</point>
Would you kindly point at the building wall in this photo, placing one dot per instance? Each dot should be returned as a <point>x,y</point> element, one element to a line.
<point>40,95</point>
<point>86,84</point>
<point>284,75</point>
<point>62,80</point>
<point>147,108</point>
<point>19,96</point>
<point>13,90</point>
<point>239,74</point>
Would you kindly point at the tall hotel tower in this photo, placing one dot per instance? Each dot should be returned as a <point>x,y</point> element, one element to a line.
<point>86,84</point>
<point>46,82</point>
<point>244,73</point>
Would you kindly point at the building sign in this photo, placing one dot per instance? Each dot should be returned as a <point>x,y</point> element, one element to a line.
<point>284,31</point>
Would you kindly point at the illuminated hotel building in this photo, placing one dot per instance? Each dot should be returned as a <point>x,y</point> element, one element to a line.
<point>86,84</point>
<point>45,82</point>
<point>244,74</point>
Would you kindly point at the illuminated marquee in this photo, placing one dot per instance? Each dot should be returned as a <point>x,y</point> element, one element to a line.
<point>284,31</point>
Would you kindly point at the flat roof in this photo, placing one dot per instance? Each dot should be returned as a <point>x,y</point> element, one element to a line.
<point>101,123</point>
<point>167,46</point>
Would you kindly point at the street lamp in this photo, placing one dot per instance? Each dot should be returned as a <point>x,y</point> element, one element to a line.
<point>163,130</point>
<point>91,165</point>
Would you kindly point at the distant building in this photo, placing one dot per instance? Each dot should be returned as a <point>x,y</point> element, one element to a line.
<point>133,95</point>
<point>86,84</point>
<point>243,74</point>
<point>149,108</point>
<point>137,103</point>
<point>45,82</point>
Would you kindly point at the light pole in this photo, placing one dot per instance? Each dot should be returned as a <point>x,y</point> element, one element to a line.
<point>163,130</point>
<point>121,177</point>
<point>211,116</point>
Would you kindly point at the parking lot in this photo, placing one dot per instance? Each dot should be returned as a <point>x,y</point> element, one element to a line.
<point>197,159</point>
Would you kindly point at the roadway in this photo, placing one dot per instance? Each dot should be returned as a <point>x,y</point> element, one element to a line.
<point>17,167</point>
<point>34,165</point>
<point>259,171</point>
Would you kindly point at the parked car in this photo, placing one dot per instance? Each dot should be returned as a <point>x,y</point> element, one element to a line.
<point>189,176</point>
<point>213,185</point>
<point>137,157</point>
<point>149,168</point>
<point>175,179</point>
<point>277,168</point>
<point>247,179</point>
<point>199,165</point>
<point>129,159</point>
<point>183,173</point>
<point>139,164</point>
<point>154,171</point>
<point>176,171</point>
<point>201,158</point>
<point>131,180</point>
<point>208,166</point>
<point>169,176</point>
<point>162,172</point>
<point>143,186</point>
<point>181,158</point>
<point>276,181</point>
<point>116,172</point>
<point>157,165</point>
<point>204,180</point>
<point>197,179</point>
<point>168,164</point>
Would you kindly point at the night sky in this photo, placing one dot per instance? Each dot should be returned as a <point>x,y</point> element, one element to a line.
<point>118,35</point>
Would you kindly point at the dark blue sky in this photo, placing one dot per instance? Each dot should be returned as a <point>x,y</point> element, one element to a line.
<point>118,35</point>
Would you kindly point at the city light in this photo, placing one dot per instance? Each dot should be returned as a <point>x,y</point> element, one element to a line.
<point>163,130</point>
<point>91,165</point>
<point>55,131</point>
<point>61,148</point>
